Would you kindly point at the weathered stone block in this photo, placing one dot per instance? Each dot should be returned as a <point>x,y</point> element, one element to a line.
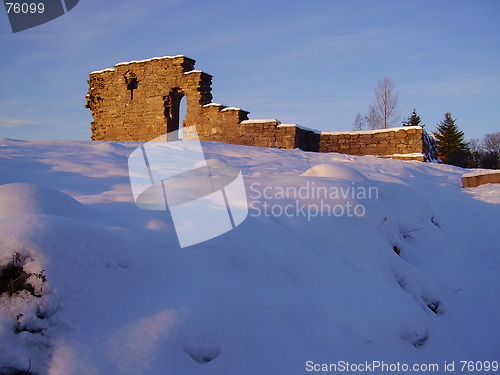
<point>478,178</point>
<point>401,134</point>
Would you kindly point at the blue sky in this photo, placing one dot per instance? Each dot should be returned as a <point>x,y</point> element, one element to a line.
<point>313,63</point>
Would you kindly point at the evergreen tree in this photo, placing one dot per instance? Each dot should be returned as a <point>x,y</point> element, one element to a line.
<point>450,141</point>
<point>413,120</point>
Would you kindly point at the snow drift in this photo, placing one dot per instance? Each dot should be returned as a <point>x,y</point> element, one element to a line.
<point>105,289</point>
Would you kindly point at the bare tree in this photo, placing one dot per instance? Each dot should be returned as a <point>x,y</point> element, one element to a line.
<point>359,121</point>
<point>383,112</point>
<point>475,145</point>
<point>372,119</point>
<point>486,154</point>
<point>491,142</point>
<point>476,150</point>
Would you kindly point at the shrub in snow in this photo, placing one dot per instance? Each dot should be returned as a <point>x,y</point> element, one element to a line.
<point>13,278</point>
<point>22,315</point>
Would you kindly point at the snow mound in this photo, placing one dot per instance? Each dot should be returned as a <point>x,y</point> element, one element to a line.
<point>402,267</point>
<point>21,199</point>
<point>336,171</point>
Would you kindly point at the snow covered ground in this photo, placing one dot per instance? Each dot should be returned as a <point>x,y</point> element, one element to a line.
<point>341,258</point>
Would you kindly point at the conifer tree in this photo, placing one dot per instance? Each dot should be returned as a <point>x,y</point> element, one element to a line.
<point>413,120</point>
<point>450,141</point>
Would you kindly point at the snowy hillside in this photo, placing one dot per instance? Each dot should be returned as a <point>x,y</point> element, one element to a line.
<point>341,258</point>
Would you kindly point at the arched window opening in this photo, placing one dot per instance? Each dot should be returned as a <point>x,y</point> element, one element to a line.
<point>172,104</point>
<point>182,116</point>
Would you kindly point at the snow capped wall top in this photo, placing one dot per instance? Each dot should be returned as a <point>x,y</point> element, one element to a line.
<point>103,70</point>
<point>260,121</point>
<point>212,105</point>
<point>140,61</point>
<point>315,131</point>
<point>231,109</point>
<point>151,59</point>
<point>480,172</point>
<point>373,131</point>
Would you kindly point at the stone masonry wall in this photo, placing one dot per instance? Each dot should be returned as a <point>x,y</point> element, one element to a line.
<point>395,142</point>
<point>137,101</point>
<point>140,101</point>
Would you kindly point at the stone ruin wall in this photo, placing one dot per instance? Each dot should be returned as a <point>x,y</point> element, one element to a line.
<point>401,143</point>
<point>140,101</point>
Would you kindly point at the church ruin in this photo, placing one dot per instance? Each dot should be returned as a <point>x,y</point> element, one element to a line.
<point>140,101</point>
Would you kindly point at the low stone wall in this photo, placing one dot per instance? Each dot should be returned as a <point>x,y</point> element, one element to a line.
<point>480,178</point>
<point>407,140</point>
